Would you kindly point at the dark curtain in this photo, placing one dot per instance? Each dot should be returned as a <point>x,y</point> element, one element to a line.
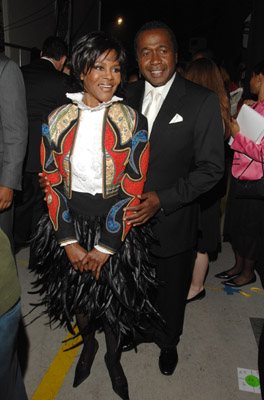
<point>85,17</point>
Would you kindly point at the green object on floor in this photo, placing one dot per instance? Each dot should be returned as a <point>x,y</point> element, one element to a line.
<point>252,380</point>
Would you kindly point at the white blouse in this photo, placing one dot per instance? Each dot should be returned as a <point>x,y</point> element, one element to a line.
<point>87,156</point>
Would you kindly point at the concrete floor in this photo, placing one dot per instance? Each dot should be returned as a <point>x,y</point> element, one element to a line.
<point>218,339</point>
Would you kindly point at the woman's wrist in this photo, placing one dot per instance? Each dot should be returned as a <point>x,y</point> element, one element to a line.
<point>68,242</point>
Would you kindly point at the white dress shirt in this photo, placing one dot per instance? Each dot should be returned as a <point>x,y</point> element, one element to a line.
<point>163,90</point>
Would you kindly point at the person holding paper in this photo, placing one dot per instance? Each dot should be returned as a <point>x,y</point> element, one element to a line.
<point>244,222</point>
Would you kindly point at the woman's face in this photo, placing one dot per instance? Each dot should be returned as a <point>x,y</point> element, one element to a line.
<point>254,84</point>
<point>101,81</point>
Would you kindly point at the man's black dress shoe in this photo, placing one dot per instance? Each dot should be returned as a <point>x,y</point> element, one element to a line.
<point>118,379</point>
<point>199,296</point>
<point>168,360</point>
<point>132,344</point>
<point>234,284</point>
<point>225,275</point>
<point>83,368</point>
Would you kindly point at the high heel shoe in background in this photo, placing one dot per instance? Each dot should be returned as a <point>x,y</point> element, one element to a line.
<point>225,275</point>
<point>83,367</point>
<point>199,296</point>
<point>234,284</point>
<point>118,379</point>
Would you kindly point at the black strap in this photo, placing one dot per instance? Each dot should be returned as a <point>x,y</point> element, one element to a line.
<point>251,163</point>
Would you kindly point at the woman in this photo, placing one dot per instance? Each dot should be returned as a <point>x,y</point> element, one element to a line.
<point>89,263</point>
<point>205,72</point>
<point>244,222</point>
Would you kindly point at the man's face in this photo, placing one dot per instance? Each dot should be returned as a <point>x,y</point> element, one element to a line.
<point>156,56</point>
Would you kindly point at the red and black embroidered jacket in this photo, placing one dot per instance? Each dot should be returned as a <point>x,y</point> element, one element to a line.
<point>125,150</point>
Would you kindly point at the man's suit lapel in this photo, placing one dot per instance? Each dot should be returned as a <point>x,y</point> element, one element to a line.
<point>170,107</point>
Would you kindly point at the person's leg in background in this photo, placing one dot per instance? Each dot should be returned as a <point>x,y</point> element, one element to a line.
<point>11,382</point>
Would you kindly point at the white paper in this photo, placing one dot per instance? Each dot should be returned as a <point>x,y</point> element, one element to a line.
<point>235,96</point>
<point>251,124</point>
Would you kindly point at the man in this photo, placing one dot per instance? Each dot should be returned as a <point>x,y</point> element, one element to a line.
<point>186,160</point>
<point>46,87</point>
<point>13,142</point>
<point>13,138</point>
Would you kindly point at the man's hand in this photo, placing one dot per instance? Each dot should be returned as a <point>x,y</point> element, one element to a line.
<point>6,197</point>
<point>94,261</point>
<point>148,207</point>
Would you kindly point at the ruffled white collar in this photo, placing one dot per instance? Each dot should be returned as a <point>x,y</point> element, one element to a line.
<point>77,98</point>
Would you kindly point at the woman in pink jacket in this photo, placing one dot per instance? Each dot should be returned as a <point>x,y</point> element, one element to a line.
<point>244,222</point>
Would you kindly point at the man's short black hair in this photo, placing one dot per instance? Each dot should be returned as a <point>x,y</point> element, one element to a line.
<point>150,26</point>
<point>54,47</point>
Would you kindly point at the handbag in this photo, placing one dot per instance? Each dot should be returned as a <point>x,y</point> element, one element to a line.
<point>250,189</point>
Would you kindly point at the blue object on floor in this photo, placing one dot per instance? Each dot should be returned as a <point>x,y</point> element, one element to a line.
<point>230,291</point>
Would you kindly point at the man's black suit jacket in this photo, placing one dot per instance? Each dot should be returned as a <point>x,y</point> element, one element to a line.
<point>186,159</point>
<point>45,90</point>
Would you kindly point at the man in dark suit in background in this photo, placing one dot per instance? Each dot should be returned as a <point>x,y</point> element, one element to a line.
<point>186,160</point>
<point>46,87</point>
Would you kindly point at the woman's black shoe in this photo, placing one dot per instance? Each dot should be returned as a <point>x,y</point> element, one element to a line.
<point>118,379</point>
<point>138,339</point>
<point>199,296</point>
<point>225,275</point>
<point>234,284</point>
<point>83,367</point>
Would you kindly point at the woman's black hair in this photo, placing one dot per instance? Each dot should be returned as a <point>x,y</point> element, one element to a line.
<point>258,68</point>
<point>88,48</point>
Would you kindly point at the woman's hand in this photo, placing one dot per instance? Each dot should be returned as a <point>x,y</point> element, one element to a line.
<point>93,261</point>
<point>43,183</point>
<point>76,254</point>
<point>234,127</point>
<point>249,102</point>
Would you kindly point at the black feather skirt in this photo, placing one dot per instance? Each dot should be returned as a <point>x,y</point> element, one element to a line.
<point>123,293</point>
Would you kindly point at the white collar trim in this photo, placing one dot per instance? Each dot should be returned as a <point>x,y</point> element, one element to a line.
<point>77,98</point>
